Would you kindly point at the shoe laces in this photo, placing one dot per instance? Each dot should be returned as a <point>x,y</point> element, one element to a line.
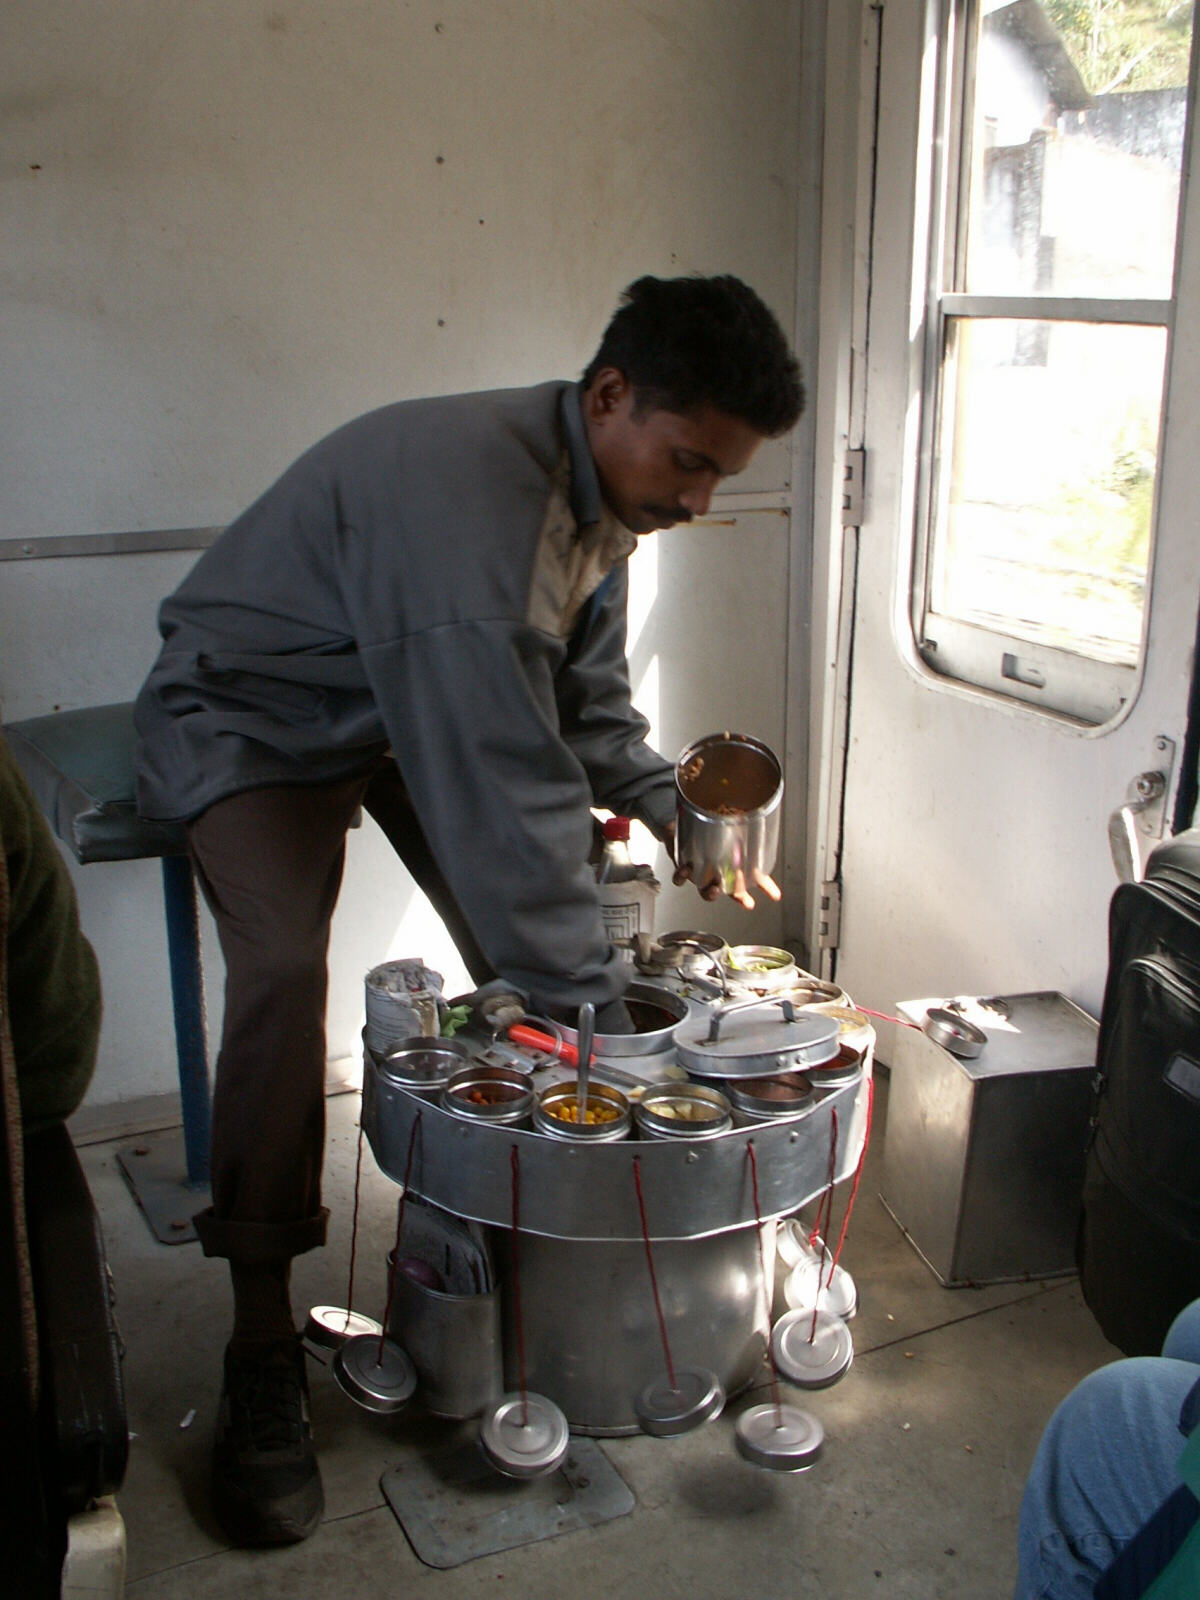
<point>266,1400</point>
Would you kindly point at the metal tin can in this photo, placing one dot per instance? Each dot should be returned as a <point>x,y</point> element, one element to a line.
<point>490,1094</point>
<point>728,795</point>
<point>682,1111</point>
<point>768,1099</point>
<point>763,968</point>
<point>424,1065</point>
<point>555,1110</point>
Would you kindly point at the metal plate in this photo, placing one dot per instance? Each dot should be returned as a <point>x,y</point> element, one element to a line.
<point>454,1508</point>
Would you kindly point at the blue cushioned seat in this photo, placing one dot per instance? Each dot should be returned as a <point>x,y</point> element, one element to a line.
<point>79,765</point>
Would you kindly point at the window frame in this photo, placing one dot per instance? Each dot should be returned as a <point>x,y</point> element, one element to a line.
<point>1061,682</point>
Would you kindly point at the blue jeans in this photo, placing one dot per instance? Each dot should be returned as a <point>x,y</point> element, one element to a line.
<point>1106,1462</point>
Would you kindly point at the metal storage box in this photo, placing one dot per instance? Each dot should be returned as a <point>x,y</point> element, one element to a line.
<point>984,1158</point>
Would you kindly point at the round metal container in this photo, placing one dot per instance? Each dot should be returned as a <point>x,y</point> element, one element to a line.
<point>490,1094</point>
<point>555,1108</point>
<point>524,1436</point>
<point>781,1438</point>
<point>728,794</point>
<point>763,967</point>
<point>954,1033</point>
<point>423,1065</point>
<point>666,1412</point>
<point>843,1068</point>
<point>755,1039</point>
<point>767,1099</point>
<point>331,1326</point>
<point>656,1014</point>
<point>691,955</point>
<point>682,1111</point>
<point>812,1356</point>
<point>375,1373</point>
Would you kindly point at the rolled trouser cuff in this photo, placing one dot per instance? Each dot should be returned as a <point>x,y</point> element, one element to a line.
<point>257,1243</point>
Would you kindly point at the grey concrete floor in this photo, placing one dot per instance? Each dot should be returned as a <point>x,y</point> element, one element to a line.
<point>928,1437</point>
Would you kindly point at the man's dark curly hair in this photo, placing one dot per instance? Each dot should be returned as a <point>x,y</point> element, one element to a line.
<point>687,342</point>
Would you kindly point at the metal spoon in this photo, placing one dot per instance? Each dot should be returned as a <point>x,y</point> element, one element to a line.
<point>586,1032</point>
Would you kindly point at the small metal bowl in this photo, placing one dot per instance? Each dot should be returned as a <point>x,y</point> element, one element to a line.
<point>555,1109</point>
<point>768,1099</point>
<point>955,1033</point>
<point>764,968</point>
<point>489,1094</point>
<point>682,1111</point>
<point>423,1065</point>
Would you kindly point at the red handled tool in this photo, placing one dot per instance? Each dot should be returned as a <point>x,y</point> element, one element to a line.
<point>532,1039</point>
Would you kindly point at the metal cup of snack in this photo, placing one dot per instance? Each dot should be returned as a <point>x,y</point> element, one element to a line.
<point>728,794</point>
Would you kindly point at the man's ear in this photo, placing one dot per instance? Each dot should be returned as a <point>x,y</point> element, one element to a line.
<point>608,391</point>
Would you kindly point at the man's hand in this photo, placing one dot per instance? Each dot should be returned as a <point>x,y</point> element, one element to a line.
<point>711,883</point>
<point>495,1006</point>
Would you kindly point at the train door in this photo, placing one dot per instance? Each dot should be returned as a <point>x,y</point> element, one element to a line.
<point>1017,593</point>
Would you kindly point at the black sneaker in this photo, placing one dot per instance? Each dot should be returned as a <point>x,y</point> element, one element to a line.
<point>266,1485</point>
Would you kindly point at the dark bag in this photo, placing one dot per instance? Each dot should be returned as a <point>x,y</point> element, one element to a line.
<point>1139,1237</point>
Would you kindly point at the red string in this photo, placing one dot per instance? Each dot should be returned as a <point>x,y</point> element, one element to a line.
<point>885,1017</point>
<point>825,1209</point>
<point>354,1223</point>
<point>387,1310</point>
<point>662,1321</point>
<point>767,1287</point>
<point>858,1171</point>
<point>518,1320</point>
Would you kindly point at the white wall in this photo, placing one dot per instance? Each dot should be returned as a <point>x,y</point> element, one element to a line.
<point>229,228</point>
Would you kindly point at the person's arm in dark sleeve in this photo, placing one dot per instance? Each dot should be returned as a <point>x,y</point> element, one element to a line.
<point>470,712</point>
<point>599,721</point>
<point>51,981</point>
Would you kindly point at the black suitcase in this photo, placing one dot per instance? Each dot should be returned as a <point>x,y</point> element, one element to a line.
<point>1139,1236</point>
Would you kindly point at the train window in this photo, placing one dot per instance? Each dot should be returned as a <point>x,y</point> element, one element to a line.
<point>1057,192</point>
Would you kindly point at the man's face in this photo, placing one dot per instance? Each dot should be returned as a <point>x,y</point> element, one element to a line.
<point>661,467</point>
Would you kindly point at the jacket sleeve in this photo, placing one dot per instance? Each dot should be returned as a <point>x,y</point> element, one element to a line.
<point>599,721</point>
<point>49,979</point>
<point>503,799</point>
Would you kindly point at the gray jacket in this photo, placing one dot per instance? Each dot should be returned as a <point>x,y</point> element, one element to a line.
<point>439,577</point>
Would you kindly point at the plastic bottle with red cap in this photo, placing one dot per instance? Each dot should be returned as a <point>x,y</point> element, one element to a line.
<point>616,863</point>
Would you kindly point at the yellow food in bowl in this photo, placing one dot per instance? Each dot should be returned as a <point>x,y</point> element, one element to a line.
<point>597,1111</point>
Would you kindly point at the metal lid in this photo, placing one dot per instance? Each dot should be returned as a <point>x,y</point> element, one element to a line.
<point>792,1242</point>
<point>524,1436</point>
<point>755,1039</point>
<point>780,1437</point>
<point>330,1326</point>
<point>665,1411</point>
<point>813,1282</point>
<point>375,1373</point>
<point>817,1361</point>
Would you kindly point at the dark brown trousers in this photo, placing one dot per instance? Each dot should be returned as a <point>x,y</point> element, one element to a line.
<point>269,862</point>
